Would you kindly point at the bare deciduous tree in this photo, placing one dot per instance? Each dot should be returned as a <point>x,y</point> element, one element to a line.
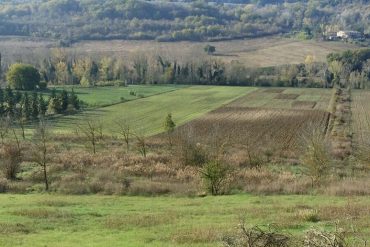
<point>316,158</point>
<point>40,151</point>
<point>10,161</point>
<point>93,131</point>
<point>141,142</point>
<point>124,130</point>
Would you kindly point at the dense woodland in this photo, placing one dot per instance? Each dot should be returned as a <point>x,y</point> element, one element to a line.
<point>73,20</point>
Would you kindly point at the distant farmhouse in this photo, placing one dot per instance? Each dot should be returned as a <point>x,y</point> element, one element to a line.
<point>350,35</point>
<point>344,35</point>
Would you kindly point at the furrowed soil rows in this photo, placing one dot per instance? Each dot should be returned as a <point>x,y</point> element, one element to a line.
<point>274,130</point>
<point>287,98</point>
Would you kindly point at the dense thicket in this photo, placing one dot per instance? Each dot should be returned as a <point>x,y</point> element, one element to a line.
<point>71,20</point>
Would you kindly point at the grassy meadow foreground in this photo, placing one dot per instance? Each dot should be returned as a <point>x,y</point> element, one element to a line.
<point>55,220</point>
<point>155,189</point>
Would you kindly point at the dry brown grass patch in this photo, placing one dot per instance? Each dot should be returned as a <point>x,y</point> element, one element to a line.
<point>303,104</point>
<point>348,211</point>
<point>274,90</point>
<point>288,96</point>
<point>11,228</point>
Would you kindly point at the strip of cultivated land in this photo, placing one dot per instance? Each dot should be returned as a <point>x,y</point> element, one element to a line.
<point>258,52</point>
<point>269,121</point>
<point>146,115</point>
<point>103,96</point>
<point>360,117</point>
<point>51,220</point>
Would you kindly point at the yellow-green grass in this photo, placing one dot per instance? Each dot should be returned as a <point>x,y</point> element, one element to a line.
<point>146,115</point>
<point>258,52</point>
<point>102,96</point>
<point>89,221</point>
<point>274,98</point>
<point>360,117</point>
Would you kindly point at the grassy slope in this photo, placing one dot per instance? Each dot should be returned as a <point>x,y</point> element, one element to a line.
<point>51,220</point>
<point>100,96</point>
<point>147,114</point>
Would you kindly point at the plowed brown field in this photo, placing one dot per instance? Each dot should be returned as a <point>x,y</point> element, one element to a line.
<point>265,123</point>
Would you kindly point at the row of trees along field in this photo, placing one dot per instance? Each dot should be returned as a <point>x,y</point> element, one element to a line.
<point>62,68</point>
<point>72,20</point>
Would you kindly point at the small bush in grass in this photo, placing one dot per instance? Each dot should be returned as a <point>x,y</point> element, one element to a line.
<point>132,93</point>
<point>318,238</point>
<point>191,154</point>
<point>309,215</point>
<point>258,236</point>
<point>215,174</point>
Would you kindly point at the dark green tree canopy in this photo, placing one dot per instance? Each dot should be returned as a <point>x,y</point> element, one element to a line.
<point>23,77</point>
<point>210,49</point>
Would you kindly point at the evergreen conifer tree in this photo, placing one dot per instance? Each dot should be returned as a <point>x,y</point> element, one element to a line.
<point>9,102</point>
<point>73,100</point>
<point>26,107</point>
<point>63,99</point>
<point>42,106</point>
<point>1,102</point>
<point>34,106</point>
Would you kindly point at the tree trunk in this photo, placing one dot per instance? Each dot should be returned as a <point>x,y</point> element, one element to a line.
<point>46,178</point>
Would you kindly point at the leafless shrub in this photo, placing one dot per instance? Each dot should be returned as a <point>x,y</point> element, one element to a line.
<point>10,161</point>
<point>318,238</point>
<point>93,131</point>
<point>40,150</point>
<point>258,236</point>
<point>316,158</point>
<point>124,130</point>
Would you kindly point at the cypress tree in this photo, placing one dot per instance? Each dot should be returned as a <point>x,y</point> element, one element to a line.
<point>26,107</point>
<point>53,106</point>
<point>17,97</point>
<point>53,93</point>
<point>63,97</point>
<point>1,102</point>
<point>42,106</point>
<point>9,102</point>
<point>35,106</point>
<point>73,100</point>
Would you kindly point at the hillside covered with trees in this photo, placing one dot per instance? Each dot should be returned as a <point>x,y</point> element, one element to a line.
<point>74,20</point>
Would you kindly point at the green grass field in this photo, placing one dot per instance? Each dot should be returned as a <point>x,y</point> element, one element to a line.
<point>146,115</point>
<point>102,96</point>
<point>88,221</point>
